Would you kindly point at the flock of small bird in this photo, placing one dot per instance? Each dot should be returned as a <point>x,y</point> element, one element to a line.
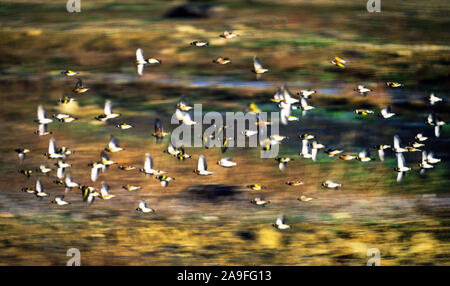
<point>286,103</point>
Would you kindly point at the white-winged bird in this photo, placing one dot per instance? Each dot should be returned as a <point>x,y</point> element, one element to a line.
<point>401,166</point>
<point>42,116</point>
<point>104,192</point>
<point>202,168</point>
<point>59,200</point>
<point>280,223</point>
<point>39,191</point>
<point>257,66</point>
<point>329,184</point>
<point>142,207</point>
<point>226,163</point>
<point>141,61</point>
<point>148,167</point>
<point>108,112</point>
<point>113,145</point>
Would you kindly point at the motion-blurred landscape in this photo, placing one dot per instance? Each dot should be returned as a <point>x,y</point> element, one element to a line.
<point>209,220</point>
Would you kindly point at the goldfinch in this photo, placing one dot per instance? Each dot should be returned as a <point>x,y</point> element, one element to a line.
<point>306,93</point>
<point>305,105</point>
<point>294,183</point>
<point>329,184</point>
<point>401,167</point>
<point>363,111</point>
<point>59,176</point>
<point>131,187</point>
<point>104,192</point>
<point>148,167</point>
<point>62,164</point>
<point>228,35</point>
<point>434,99</point>
<point>333,152</point>
<point>338,62</point>
<point>381,149</point>
<point>363,156</point>
<point>21,153</point>
<point>69,73</point>
<point>304,198</point>
<point>95,172</point>
<point>171,150</point>
<point>386,112</point>
<point>28,190</point>
<point>257,66</point>
<point>306,136</point>
<point>108,112</point>
<point>256,187</point>
<point>259,202</point>
<point>202,168</point>
<point>42,116</point>
<point>66,100</point>
<point>393,84</point>
<point>431,159</point>
<point>397,148</point>
<point>66,118</point>
<point>126,167</point>
<point>199,43</point>
<point>416,144</point>
<point>59,200</point>
<point>419,137</point>
<point>53,151</point>
<point>39,191</point>
<point>222,61</point>
<point>280,223</point>
<point>182,154</point>
<point>164,180</point>
<point>113,145</point>
<point>306,150</point>
<point>282,162</point>
<point>79,88</point>
<point>424,164</point>
<point>411,149</point>
<point>142,207</point>
<point>42,130</point>
<point>124,126</point>
<point>278,96</point>
<point>141,61</point>
<point>184,117</point>
<point>44,170</point>
<point>26,173</point>
<point>226,163</point>
<point>69,183</point>
<point>362,90</point>
<point>89,194</point>
<point>65,151</point>
<point>183,105</point>
<point>105,161</point>
<point>159,132</point>
<point>347,157</point>
<point>434,120</point>
<point>277,137</point>
<point>248,133</point>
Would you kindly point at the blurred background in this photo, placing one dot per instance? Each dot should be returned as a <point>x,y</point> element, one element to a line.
<point>209,220</point>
